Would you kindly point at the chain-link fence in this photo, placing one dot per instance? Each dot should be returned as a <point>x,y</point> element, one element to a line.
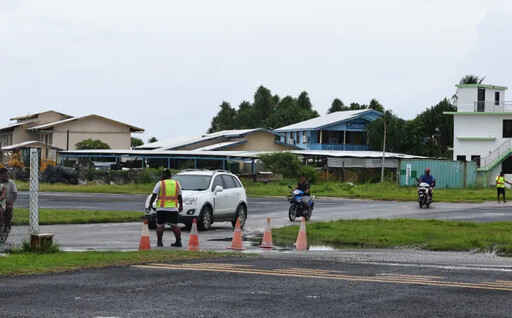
<point>25,211</point>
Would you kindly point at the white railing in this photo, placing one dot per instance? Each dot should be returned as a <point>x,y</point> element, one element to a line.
<point>501,106</point>
<point>493,156</point>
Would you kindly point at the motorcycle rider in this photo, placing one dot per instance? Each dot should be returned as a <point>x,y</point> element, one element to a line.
<point>304,186</point>
<point>428,179</point>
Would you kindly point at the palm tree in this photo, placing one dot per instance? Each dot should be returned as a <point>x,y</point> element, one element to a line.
<point>471,79</point>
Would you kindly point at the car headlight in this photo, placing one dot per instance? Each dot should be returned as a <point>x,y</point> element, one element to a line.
<point>190,201</point>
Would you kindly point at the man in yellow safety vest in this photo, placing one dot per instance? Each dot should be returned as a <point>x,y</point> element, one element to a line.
<point>500,186</point>
<point>168,207</point>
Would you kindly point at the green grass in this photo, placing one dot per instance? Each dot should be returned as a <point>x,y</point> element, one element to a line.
<point>375,191</point>
<point>424,234</point>
<point>32,263</point>
<point>56,216</point>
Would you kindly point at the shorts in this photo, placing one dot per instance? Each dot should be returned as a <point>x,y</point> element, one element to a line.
<point>501,191</point>
<point>166,217</point>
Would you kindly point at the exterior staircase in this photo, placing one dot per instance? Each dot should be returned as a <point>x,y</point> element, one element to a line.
<point>496,157</point>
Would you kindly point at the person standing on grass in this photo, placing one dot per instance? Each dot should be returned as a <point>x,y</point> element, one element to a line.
<point>500,186</point>
<point>11,194</point>
<point>168,207</point>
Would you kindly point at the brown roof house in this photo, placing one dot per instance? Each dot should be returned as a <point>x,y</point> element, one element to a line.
<point>51,131</point>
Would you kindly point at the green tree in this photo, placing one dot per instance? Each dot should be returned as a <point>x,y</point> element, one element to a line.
<point>304,102</point>
<point>396,135</point>
<point>284,163</point>
<point>356,106</point>
<point>91,144</point>
<point>471,79</point>
<point>245,116</point>
<point>375,105</point>
<point>437,129</point>
<point>225,119</point>
<point>135,142</point>
<point>336,106</point>
<point>152,139</point>
<point>264,105</point>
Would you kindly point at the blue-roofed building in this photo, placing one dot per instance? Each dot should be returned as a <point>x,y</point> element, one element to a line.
<point>343,130</point>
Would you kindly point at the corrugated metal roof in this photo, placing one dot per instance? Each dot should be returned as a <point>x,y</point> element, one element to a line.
<point>32,143</point>
<point>239,154</point>
<point>48,125</point>
<point>178,142</point>
<point>329,119</point>
<point>221,145</point>
<point>15,125</point>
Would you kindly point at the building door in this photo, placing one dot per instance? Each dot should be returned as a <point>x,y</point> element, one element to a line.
<point>481,100</point>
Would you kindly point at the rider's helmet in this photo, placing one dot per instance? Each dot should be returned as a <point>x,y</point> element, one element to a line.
<point>427,170</point>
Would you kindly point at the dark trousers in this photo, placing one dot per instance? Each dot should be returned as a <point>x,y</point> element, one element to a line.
<point>501,191</point>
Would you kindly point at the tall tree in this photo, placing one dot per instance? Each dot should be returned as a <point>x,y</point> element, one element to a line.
<point>336,106</point>
<point>471,79</point>
<point>304,102</point>
<point>264,104</point>
<point>245,116</point>
<point>437,129</point>
<point>152,139</point>
<point>356,106</point>
<point>225,118</point>
<point>375,105</point>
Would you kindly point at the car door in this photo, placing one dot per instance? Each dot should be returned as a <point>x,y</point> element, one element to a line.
<point>221,201</point>
<point>231,195</point>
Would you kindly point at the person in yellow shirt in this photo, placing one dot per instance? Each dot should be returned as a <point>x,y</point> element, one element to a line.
<point>500,186</point>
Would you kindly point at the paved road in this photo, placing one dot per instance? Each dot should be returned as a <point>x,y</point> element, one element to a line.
<point>267,286</point>
<point>126,236</point>
<point>324,208</point>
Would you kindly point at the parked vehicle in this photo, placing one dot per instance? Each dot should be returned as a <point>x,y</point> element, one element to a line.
<point>299,208</point>
<point>423,195</point>
<point>208,196</point>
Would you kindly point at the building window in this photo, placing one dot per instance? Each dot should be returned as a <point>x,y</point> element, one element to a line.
<point>476,159</point>
<point>507,128</point>
<point>297,139</point>
<point>496,98</point>
<point>461,158</point>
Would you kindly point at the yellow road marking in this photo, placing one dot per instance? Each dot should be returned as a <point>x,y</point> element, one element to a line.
<point>280,273</point>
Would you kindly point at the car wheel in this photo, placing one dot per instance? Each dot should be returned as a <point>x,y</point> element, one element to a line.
<point>241,213</point>
<point>206,219</point>
<point>292,213</point>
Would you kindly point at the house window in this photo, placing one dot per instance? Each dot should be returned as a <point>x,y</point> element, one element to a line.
<point>496,98</point>
<point>461,158</point>
<point>507,128</point>
<point>297,139</point>
<point>476,159</point>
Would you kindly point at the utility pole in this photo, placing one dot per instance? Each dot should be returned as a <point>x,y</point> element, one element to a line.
<point>383,150</point>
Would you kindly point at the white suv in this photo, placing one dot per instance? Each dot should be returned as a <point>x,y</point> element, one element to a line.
<point>209,196</point>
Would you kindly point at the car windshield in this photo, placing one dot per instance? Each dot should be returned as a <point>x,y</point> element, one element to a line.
<point>193,182</point>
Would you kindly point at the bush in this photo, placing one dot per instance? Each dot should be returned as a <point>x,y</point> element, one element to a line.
<point>311,173</point>
<point>284,163</point>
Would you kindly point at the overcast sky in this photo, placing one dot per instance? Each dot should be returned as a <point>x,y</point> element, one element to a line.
<point>166,66</point>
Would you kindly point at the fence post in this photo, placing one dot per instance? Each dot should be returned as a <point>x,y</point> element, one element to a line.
<point>34,191</point>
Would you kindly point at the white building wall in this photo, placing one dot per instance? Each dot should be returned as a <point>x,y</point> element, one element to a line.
<point>466,96</point>
<point>478,126</point>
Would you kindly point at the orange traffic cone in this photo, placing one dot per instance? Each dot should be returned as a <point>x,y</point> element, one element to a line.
<point>302,244</point>
<point>144,238</point>
<point>236,244</point>
<point>193,239</point>
<point>267,236</point>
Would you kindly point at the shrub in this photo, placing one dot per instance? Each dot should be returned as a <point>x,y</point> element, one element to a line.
<point>284,163</point>
<point>311,173</point>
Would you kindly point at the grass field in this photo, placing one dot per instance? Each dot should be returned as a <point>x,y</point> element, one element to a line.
<point>376,191</point>
<point>56,216</point>
<point>423,234</point>
<point>32,263</point>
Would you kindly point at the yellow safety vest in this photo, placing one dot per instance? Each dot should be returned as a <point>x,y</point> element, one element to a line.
<point>168,197</point>
<point>500,182</point>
